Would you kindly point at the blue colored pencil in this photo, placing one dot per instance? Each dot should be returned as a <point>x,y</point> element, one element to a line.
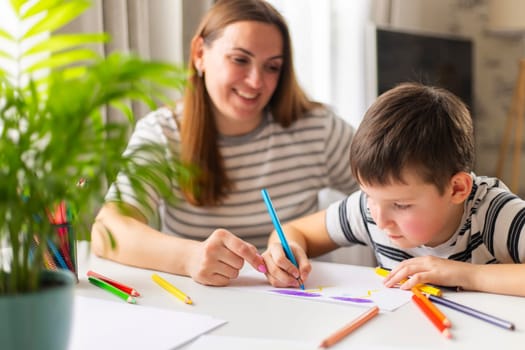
<point>278,228</point>
<point>472,312</point>
<point>56,254</point>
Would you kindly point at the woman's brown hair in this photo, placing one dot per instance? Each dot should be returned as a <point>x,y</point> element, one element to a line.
<point>198,131</point>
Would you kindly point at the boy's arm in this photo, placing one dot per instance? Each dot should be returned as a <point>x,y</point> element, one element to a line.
<point>311,234</point>
<point>493,278</point>
<point>307,237</point>
<point>500,279</point>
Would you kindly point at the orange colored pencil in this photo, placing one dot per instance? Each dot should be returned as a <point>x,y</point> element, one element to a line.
<point>349,328</point>
<point>432,317</point>
<point>440,315</point>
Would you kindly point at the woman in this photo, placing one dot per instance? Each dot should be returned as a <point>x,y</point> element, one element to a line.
<point>247,125</point>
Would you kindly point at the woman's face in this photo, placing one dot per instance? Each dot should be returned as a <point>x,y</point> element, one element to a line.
<point>241,70</point>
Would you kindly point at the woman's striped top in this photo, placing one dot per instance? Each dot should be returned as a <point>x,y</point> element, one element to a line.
<point>292,163</point>
<point>491,229</point>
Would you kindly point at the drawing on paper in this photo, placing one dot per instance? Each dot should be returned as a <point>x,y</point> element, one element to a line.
<point>319,293</point>
<point>335,284</point>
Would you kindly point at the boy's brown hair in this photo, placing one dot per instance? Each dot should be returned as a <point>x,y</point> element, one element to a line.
<point>423,128</point>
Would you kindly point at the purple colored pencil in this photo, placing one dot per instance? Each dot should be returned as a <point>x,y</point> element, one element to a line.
<point>473,312</point>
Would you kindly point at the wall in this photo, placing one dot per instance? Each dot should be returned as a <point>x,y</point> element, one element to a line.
<point>495,64</point>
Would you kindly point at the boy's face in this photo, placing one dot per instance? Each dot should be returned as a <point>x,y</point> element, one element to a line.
<point>414,214</point>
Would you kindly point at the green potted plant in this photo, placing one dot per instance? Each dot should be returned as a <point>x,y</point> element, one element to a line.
<point>55,146</point>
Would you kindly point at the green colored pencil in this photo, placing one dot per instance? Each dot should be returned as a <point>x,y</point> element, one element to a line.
<point>113,290</point>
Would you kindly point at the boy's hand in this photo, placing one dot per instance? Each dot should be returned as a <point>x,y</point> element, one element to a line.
<point>281,271</point>
<point>430,269</point>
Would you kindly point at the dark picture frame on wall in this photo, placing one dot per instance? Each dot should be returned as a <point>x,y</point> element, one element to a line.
<point>400,55</point>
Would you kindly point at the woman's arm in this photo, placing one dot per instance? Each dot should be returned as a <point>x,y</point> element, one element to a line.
<point>214,261</point>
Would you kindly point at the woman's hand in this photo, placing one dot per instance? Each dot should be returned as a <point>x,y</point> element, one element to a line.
<point>218,259</point>
<point>430,269</point>
<point>280,271</point>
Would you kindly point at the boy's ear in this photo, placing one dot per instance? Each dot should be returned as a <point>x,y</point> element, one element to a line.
<point>461,185</point>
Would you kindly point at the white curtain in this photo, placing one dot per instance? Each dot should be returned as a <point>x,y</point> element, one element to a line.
<point>150,29</point>
<point>329,47</point>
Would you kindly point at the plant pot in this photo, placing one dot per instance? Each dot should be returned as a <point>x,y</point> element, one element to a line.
<point>39,320</point>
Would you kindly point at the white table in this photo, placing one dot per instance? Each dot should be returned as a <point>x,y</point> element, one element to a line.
<point>261,315</point>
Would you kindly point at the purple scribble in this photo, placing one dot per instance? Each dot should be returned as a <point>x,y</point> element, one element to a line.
<point>353,300</point>
<point>296,293</point>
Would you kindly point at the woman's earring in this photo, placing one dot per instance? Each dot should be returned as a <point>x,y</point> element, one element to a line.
<point>199,72</point>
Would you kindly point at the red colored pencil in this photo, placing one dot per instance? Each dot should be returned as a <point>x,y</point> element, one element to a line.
<point>432,317</point>
<point>114,283</point>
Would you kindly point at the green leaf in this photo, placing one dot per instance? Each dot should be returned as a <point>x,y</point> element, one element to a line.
<point>63,59</point>
<point>125,108</point>
<point>74,72</point>
<point>40,6</point>
<point>57,17</point>
<point>16,5</point>
<point>6,35</point>
<point>66,41</point>
<point>6,55</point>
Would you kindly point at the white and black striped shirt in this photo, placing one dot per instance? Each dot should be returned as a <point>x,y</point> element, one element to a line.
<point>292,163</point>
<point>490,232</point>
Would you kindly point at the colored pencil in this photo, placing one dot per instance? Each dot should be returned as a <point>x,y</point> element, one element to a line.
<point>280,233</point>
<point>56,255</point>
<point>431,316</point>
<point>129,290</point>
<point>112,289</point>
<point>473,312</point>
<point>349,328</point>
<point>171,289</point>
<point>425,288</point>
<point>440,315</point>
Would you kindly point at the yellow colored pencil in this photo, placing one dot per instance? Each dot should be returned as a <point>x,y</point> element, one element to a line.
<point>425,288</point>
<point>171,289</point>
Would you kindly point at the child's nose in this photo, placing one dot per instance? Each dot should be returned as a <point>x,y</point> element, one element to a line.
<point>381,218</point>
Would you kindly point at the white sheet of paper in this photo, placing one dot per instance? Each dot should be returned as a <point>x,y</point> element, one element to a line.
<point>96,322</point>
<point>218,342</point>
<point>346,284</point>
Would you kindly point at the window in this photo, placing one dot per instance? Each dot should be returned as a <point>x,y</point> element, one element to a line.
<point>328,40</point>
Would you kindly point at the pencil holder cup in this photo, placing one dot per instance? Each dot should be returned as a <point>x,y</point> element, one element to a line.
<point>59,250</point>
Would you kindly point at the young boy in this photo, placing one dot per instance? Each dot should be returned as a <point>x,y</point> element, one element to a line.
<point>421,208</point>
